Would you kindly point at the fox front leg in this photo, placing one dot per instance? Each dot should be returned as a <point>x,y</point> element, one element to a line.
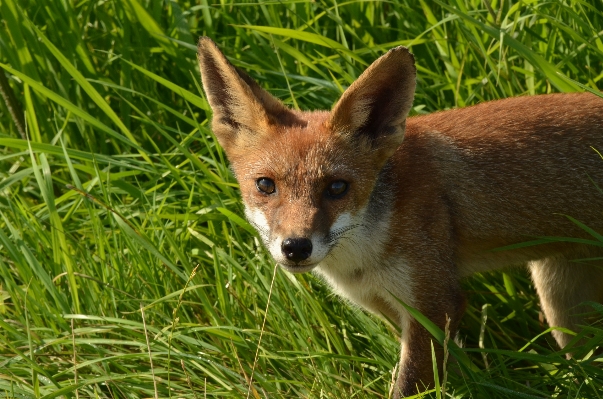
<point>416,366</point>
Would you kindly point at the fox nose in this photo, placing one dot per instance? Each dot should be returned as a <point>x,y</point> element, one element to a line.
<point>297,249</point>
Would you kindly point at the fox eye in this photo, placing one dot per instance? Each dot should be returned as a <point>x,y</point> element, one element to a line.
<point>265,185</point>
<point>337,189</point>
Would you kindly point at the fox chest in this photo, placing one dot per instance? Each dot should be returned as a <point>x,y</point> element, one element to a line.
<point>358,270</point>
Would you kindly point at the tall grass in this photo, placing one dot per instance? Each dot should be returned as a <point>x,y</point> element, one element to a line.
<point>126,268</point>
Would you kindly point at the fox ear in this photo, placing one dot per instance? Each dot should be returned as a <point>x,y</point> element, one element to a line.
<point>242,109</point>
<point>373,110</point>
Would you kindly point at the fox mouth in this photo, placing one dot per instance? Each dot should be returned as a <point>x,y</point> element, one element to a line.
<point>301,267</point>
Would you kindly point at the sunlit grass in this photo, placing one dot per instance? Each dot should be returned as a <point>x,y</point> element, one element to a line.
<point>122,192</point>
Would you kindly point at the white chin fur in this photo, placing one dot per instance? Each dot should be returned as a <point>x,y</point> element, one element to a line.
<point>298,269</point>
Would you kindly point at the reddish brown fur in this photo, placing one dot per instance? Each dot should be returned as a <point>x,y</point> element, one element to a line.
<point>430,210</point>
<point>504,169</point>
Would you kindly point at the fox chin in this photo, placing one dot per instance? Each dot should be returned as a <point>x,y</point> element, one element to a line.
<point>387,208</point>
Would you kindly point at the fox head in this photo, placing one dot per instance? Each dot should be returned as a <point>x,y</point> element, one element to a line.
<point>306,177</point>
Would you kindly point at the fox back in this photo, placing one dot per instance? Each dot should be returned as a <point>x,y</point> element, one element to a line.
<point>385,207</point>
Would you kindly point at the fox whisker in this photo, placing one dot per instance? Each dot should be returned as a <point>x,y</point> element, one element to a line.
<point>337,233</point>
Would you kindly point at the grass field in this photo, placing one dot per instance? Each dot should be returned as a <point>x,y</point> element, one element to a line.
<point>126,268</point>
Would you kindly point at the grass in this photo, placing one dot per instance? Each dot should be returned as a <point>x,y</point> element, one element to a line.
<point>126,269</point>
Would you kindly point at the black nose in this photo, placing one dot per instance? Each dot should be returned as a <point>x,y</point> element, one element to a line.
<point>296,249</point>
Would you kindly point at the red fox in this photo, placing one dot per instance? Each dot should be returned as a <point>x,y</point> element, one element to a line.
<point>382,206</point>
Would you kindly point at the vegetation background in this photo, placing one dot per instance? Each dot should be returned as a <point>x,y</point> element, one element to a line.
<point>126,268</point>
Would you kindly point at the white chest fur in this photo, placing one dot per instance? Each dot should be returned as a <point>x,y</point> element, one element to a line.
<point>357,269</point>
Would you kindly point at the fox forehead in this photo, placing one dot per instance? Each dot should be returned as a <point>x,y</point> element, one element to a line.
<point>297,155</point>
<point>295,162</point>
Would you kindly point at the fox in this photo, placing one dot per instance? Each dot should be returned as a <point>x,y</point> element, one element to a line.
<point>388,208</point>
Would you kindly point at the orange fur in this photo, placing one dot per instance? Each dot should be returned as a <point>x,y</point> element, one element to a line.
<point>427,198</point>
